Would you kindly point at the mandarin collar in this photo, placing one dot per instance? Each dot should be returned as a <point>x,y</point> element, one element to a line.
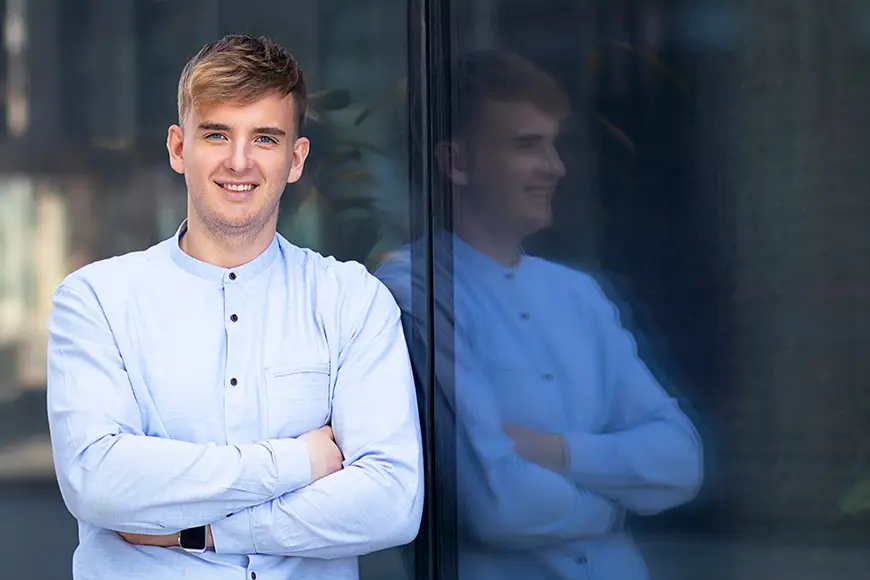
<point>208,271</point>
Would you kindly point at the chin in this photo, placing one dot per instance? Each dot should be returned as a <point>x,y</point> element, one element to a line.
<point>539,222</point>
<point>233,220</point>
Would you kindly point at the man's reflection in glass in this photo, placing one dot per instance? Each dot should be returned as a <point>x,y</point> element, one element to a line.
<point>561,429</point>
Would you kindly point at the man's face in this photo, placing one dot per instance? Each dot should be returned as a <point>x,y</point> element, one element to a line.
<point>511,167</point>
<point>236,161</point>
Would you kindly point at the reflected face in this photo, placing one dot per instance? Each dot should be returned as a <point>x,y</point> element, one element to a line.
<point>513,167</point>
<point>236,161</point>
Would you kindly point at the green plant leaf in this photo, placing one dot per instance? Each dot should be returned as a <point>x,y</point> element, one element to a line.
<point>617,133</point>
<point>330,99</point>
<point>857,498</point>
<point>653,60</point>
<point>392,95</point>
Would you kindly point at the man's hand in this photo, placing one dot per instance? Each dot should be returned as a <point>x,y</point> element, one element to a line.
<point>544,449</point>
<point>164,541</point>
<point>325,456</point>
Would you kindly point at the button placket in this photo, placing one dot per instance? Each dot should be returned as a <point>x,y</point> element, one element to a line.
<point>235,388</point>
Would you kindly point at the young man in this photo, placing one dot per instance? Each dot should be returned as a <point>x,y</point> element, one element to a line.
<point>560,428</point>
<point>225,405</point>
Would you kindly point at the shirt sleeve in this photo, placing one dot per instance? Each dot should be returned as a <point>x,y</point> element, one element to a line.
<point>111,474</point>
<point>375,501</point>
<point>648,458</point>
<point>502,499</point>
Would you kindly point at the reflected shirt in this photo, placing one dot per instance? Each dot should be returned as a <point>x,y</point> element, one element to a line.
<point>176,391</point>
<point>538,346</point>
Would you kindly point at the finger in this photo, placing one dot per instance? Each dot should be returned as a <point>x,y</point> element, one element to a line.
<point>328,430</point>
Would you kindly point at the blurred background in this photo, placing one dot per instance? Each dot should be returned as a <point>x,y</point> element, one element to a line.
<point>715,169</point>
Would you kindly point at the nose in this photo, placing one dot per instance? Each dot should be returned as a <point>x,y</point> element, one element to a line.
<point>239,157</point>
<point>553,163</point>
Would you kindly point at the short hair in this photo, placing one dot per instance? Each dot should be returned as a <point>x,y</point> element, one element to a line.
<point>502,76</point>
<point>241,69</point>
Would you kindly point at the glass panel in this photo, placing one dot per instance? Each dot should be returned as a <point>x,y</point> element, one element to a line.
<point>90,91</point>
<point>683,181</point>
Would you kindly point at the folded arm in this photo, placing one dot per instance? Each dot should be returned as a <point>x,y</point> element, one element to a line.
<point>375,501</point>
<point>503,499</point>
<point>649,456</point>
<point>114,476</point>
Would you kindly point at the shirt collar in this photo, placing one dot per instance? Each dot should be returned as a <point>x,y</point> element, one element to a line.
<point>226,275</point>
<point>467,256</point>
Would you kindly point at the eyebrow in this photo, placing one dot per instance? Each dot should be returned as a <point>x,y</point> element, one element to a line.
<point>273,131</point>
<point>528,137</point>
<point>208,126</point>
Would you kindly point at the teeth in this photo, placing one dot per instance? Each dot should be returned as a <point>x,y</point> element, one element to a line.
<point>238,187</point>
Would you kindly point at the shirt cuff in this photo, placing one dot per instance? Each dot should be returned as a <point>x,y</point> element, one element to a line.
<point>233,534</point>
<point>293,463</point>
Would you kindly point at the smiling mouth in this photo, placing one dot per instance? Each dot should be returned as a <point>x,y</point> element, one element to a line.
<point>238,187</point>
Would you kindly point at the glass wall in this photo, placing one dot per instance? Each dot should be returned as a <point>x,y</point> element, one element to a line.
<point>90,90</point>
<point>649,288</point>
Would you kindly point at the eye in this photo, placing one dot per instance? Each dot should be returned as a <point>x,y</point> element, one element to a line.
<point>214,137</point>
<point>526,144</point>
<point>265,139</point>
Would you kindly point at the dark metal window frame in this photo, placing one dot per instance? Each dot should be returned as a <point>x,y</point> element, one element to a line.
<point>429,90</point>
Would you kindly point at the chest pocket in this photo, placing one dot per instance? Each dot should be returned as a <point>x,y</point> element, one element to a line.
<point>527,399</point>
<point>298,398</point>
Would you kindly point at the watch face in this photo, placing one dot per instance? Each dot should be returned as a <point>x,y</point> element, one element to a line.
<point>193,539</point>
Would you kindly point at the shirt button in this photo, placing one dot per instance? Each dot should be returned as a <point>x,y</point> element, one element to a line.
<point>581,560</point>
<point>547,377</point>
<point>510,275</point>
<point>234,318</point>
<point>525,315</point>
<point>233,381</point>
<point>253,576</point>
<point>232,275</point>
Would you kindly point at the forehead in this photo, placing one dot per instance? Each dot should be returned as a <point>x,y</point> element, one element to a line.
<point>511,118</point>
<point>268,111</point>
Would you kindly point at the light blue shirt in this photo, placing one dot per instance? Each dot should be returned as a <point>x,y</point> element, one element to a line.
<point>539,346</point>
<point>176,391</point>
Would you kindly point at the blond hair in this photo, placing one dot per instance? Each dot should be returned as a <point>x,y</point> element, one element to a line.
<point>494,75</point>
<point>241,69</point>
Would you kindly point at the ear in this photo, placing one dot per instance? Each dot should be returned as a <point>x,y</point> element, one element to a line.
<point>300,154</point>
<point>175,147</point>
<point>452,161</point>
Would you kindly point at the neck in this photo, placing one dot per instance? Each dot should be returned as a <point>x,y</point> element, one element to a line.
<point>226,251</point>
<point>500,244</point>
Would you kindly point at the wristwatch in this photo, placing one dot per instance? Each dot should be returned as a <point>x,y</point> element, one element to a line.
<point>193,540</point>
